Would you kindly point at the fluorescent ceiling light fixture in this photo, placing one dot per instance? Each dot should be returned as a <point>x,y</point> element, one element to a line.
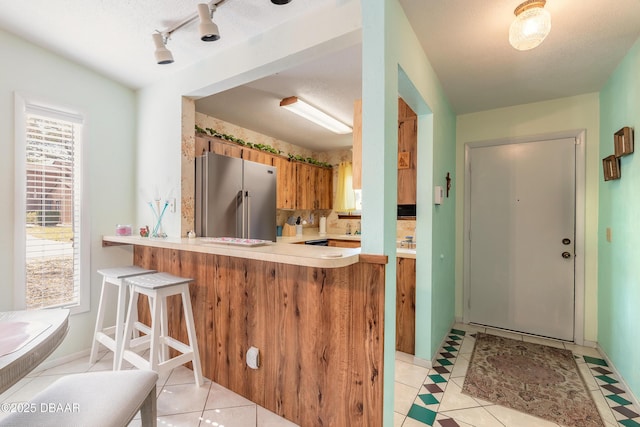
<point>531,26</point>
<point>301,108</point>
<point>163,55</point>
<point>208,30</point>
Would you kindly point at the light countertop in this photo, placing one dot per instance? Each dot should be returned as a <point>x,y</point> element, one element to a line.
<point>400,252</point>
<point>280,252</point>
<point>283,251</point>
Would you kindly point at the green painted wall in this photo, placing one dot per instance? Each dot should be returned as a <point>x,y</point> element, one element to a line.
<point>618,266</point>
<point>394,62</point>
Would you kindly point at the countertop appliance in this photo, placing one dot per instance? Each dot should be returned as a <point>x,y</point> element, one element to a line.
<point>235,198</point>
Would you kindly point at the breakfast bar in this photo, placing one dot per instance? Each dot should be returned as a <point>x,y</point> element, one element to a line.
<point>316,315</point>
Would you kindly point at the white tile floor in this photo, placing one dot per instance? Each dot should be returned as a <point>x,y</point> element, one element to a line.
<point>180,402</point>
<point>457,409</point>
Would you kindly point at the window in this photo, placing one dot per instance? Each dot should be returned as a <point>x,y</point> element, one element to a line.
<point>51,244</point>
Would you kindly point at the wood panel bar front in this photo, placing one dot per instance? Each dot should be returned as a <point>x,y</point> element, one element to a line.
<point>319,332</point>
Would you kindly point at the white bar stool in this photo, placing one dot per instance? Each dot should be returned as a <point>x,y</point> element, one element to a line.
<point>111,336</point>
<point>157,287</point>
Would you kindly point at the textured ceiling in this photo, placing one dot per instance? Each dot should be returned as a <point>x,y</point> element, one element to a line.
<point>331,84</point>
<point>114,36</point>
<point>467,44</point>
<point>465,40</point>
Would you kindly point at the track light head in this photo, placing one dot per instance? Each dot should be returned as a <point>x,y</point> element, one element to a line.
<point>208,30</point>
<point>163,55</point>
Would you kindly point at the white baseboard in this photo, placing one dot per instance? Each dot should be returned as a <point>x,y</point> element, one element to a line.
<point>410,358</point>
<point>52,363</point>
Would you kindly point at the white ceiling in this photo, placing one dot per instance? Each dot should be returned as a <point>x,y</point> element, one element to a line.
<point>465,40</point>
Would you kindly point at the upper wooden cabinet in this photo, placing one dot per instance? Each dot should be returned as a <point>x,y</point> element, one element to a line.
<point>407,151</point>
<point>314,187</point>
<point>286,183</point>
<point>324,186</point>
<point>299,185</point>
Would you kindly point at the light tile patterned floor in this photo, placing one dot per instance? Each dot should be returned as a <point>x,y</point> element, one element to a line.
<point>422,396</point>
<point>433,397</point>
<point>180,402</point>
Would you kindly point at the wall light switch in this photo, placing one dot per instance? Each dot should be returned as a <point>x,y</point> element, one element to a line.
<point>438,195</point>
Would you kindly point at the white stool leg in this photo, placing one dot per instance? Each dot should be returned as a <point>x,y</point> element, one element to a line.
<point>191,332</point>
<point>156,318</point>
<point>99,323</point>
<point>126,340</point>
<point>164,317</point>
<point>120,318</point>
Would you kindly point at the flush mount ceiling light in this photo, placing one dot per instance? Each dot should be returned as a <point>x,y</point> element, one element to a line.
<point>301,108</point>
<point>280,1</point>
<point>208,31</point>
<point>531,26</point>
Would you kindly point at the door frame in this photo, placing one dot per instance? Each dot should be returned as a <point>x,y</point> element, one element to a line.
<point>580,194</point>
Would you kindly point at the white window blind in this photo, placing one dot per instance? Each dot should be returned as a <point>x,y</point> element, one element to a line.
<point>52,207</point>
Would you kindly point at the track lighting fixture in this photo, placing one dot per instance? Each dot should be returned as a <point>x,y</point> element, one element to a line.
<point>208,31</point>
<point>163,55</point>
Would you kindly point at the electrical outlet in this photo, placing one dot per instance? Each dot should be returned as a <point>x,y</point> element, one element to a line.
<point>253,358</point>
<point>172,205</point>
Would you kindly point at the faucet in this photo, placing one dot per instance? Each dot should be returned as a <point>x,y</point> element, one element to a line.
<point>348,229</point>
<point>358,230</point>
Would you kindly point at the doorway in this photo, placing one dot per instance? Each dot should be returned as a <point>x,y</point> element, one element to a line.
<point>520,240</point>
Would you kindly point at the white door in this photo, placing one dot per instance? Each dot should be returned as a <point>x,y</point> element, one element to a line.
<point>521,237</point>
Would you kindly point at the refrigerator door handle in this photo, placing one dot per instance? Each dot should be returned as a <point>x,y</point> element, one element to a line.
<point>240,217</point>
<point>248,198</point>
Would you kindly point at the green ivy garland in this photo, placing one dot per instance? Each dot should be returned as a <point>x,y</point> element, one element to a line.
<point>262,147</point>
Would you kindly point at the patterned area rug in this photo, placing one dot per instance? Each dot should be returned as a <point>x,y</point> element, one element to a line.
<point>532,378</point>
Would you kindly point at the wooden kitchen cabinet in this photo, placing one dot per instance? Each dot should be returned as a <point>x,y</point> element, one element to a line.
<point>324,188</point>
<point>314,186</point>
<point>218,146</point>
<point>299,185</point>
<point>407,151</point>
<point>305,180</point>
<point>258,156</point>
<point>406,305</point>
<point>286,183</point>
<point>339,243</point>
<point>407,143</point>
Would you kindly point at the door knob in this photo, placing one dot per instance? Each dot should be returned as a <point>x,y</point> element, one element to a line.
<point>566,241</point>
<point>566,255</point>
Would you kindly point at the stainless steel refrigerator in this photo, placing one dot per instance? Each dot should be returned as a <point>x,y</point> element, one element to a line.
<point>235,198</point>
